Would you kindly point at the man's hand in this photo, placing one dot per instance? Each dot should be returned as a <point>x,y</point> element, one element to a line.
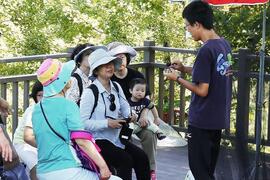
<point>5,148</point>
<point>177,65</point>
<point>171,74</point>
<point>4,107</point>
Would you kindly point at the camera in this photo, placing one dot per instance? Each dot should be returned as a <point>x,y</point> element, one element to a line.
<point>127,120</point>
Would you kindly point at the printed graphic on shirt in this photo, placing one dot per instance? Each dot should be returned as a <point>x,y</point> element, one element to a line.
<point>222,64</point>
<point>138,109</point>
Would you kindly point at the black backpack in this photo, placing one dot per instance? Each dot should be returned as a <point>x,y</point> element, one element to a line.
<point>94,89</point>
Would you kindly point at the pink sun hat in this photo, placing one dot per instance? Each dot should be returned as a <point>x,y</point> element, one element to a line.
<point>54,75</point>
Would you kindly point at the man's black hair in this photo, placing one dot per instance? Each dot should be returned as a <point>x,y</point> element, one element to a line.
<point>136,81</point>
<point>35,89</point>
<point>199,11</point>
<point>76,50</point>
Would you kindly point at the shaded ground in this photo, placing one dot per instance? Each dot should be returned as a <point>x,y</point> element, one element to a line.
<point>172,164</point>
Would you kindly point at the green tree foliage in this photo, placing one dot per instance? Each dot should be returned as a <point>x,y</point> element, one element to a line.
<point>47,26</point>
<point>242,26</point>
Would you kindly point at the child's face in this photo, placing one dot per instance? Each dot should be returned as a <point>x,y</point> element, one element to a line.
<point>138,91</point>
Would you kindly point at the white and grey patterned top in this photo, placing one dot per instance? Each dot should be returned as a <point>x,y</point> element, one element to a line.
<point>73,93</point>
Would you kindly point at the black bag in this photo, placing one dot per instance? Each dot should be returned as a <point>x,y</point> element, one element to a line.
<point>16,173</point>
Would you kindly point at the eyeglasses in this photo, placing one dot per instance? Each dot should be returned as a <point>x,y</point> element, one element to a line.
<point>111,98</point>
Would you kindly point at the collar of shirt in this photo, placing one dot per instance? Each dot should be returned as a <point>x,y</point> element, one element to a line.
<point>82,74</point>
<point>102,89</point>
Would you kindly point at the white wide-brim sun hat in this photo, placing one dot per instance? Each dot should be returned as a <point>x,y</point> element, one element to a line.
<point>100,57</point>
<point>93,48</point>
<point>54,75</point>
<point>123,49</point>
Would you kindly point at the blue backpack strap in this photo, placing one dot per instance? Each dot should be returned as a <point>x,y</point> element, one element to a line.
<point>94,89</point>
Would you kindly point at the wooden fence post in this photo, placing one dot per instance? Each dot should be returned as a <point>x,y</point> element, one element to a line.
<point>242,114</point>
<point>243,92</point>
<point>149,57</point>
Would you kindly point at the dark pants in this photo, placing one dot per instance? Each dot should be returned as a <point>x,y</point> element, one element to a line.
<point>125,159</point>
<point>203,150</point>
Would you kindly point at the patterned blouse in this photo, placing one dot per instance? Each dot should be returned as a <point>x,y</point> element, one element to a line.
<point>73,93</point>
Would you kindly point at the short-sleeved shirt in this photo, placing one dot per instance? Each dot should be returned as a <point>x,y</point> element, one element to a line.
<point>25,121</point>
<point>64,117</point>
<point>139,106</point>
<point>124,83</point>
<point>212,62</point>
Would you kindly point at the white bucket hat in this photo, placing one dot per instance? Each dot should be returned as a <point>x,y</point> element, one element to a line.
<point>87,48</point>
<point>100,57</point>
<point>120,48</point>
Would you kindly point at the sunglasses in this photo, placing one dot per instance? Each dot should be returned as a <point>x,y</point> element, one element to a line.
<point>111,98</point>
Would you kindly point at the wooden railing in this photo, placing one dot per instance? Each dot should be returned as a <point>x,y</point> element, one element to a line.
<point>16,86</point>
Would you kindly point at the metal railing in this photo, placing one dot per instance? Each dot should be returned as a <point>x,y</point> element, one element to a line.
<point>164,91</point>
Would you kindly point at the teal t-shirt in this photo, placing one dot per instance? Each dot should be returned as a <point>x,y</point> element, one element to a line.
<point>64,116</point>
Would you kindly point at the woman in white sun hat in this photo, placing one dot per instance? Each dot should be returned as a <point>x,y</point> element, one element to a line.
<point>105,118</point>
<point>124,76</point>
<point>56,158</point>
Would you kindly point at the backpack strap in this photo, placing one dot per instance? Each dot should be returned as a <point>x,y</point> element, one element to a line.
<point>94,89</point>
<point>56,133</point>
<point>80,83</point>
<point>116,88</point>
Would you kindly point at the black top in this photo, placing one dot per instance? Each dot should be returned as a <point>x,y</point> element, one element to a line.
<point>124,83</point>
<point>139,106</point>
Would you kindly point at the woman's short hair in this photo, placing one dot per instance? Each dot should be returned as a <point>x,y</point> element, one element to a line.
<point>37,87</point>
<point>78,49</point>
